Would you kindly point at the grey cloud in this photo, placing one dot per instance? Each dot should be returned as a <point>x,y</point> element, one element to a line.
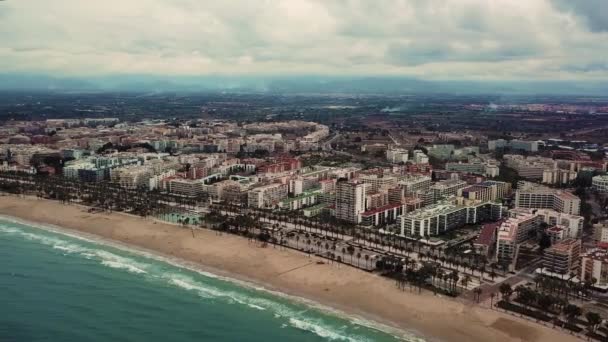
<point>593,12</point>
<point>434,38</point>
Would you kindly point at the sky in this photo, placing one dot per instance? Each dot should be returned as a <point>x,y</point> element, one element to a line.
<point>430,39</point>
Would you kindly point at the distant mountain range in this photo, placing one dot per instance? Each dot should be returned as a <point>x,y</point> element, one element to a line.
<point>295,84</point>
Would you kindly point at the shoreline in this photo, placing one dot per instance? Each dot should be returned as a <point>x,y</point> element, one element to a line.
<point>343,291</point>
<point>206,271</point>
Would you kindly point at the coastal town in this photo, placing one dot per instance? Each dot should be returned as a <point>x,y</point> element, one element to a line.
<point>515,221</point>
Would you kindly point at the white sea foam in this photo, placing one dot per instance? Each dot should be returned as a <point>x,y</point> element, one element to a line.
<point>297,318</point>
<point>322,331</point>
<point>119,265</point>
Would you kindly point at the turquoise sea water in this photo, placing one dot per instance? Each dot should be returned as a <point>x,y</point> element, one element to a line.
<point>57,287</point>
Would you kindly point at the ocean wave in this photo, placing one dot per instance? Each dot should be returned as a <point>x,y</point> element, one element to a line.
<point>119,265</point>
<point>322,331</point>
<point>104,257</point>
<point>298,319</point>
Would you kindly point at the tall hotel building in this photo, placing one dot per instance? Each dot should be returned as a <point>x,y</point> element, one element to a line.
<point>350,200</point>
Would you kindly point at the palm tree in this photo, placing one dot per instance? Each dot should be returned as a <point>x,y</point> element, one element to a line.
<point>366,257</point>
<point>477,291</point>
<point>572,312</point>
<point>465,281</point>
<point>506,291</point>
<point>593,320</point>
<point>358,258</point>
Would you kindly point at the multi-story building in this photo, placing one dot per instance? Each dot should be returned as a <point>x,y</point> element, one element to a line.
<point>529,167</point>
<point>267,196</point>
<point>594,266</point>
<point>438,218</point>
<point>186,187</point>
<point>536,196</point>
<point>600,232</point>
<point>376,182</point>
<point>562,257</point>
<point>529,146</point>
<point>558,176</point>
<point>382,215</point>
<point>413,184</point>
<point>304,199</point>
<point>418,157</point>
<point>131,176</point>
<point>572,225</point>
<point>350,200</point>
<point>397,155</point>
<point>511,233</point>
<point>486,191</point>
<point>600,183</point>
<point>444,189</point>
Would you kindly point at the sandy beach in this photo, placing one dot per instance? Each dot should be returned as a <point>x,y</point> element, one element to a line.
<point>345,288</point>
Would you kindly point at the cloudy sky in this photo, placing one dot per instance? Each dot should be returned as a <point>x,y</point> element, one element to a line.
<point>432,39</point>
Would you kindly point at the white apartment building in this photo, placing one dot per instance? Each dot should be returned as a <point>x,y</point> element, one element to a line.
<point>267,196</point>
<point>186,187</point>
<point>438,218</point>
<point>571,224</point>
<point>397,155</point>
<point>511,233</point>
<point>600,183</point>
<point>536,196</point>
<point>418,157</point>
<point>558,176</point>
<point>412,184</point>
<point>131,177</point>
<point>594,265</point>
<point>529,167</point>
<point>600,232</point>
<point>376,182</point>
<point>350,200</point>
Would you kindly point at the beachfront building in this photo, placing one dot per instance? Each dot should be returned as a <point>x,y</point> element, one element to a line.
<point>600,183</point>
<point>382,215</point>
<point>438,218</point>
<point>350,200</point>
<point>512,233</point>
<point>267,196</point>
<point>594,265</point>
<point>185,187</point>
<point>304,199</point>
<point>131,177</point>
<point>536,196</point>
<point>562,257</point>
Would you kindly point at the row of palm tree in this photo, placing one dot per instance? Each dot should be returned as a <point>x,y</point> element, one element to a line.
<point>551,305</point>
